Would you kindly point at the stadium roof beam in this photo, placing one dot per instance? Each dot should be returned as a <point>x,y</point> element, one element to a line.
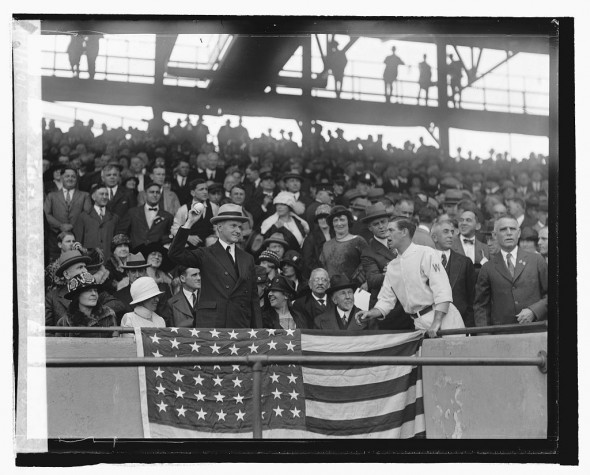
<point>252,103</point>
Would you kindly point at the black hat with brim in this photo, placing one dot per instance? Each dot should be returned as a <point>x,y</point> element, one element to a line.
<point>339,282</point>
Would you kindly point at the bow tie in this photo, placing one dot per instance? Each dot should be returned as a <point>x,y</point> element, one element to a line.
<point>469,241</point>
<point>153,209</point>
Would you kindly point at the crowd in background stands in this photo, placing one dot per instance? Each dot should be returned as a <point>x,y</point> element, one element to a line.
<point>118,198</point>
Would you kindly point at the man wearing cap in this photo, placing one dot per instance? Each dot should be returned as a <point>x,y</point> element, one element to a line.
<point>314,300</point>
<point>512,286</point>
<point>229,297</point>
<point>467,244</point>
<point>417,279</point>
<point>135,267</point>
<point>375,259</point>
<point>96,227</point>
<point>202,228</point>
<point>183,305</point>
<point>293,183</point>
<point>341,316</point>
<point>324,195</point>
<point>277,244</point>
<point>452,197</point>
<point>120,199</point>
<point>147,223</point>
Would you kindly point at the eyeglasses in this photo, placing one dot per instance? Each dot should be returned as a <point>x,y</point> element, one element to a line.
<point>319,280</point>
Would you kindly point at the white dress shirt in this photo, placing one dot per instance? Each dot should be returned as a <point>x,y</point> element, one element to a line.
<point>468,249</point>
<point>189,296</point>
<point>150,215</point>
<point>344,316</point>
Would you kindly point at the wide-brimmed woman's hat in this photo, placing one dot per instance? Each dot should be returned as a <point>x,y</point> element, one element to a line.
<point>77,284</point>
<point>339,282</point>
<point>135,261</point>
<point>147,249</point>
<point>228,212</point>
<point>143,289</point>
<point>281,284</point>
<point>69,258</point>
<point>292,258</point>
<point>285,198</point>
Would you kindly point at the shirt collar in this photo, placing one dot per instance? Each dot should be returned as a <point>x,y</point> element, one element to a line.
<point>446,253</point>
<point>225,245</point>
<point>319,299</point>
<point>513,253</point>
<point>342,313</point>
<point>146,206</point>
<point>382,241</point>
<point>188,294</point>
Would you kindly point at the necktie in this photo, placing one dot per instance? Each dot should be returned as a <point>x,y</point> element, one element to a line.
<point>110,194</point>
<point>444,260</point>
<point>68,197</point>
<point>322,302</point>
<point>509,264</point>
<point>231,258</point>
<point>194,300</point>
<point>469,241</point>
<point>101,212</point>
<point>153,209</point>
<point>344,319</point>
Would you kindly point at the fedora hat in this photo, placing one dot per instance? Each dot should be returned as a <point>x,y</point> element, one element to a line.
<point>279,238</point>
<point>69,258</point>
<point>374,212</point>
<point>143,289</point>
<point>135,261</point>
<point>281,284</point>
<point>339,282</point>
<point>453,196</point>
<point>360,204</point>
<point>81,282</point>
<point>229,212</point>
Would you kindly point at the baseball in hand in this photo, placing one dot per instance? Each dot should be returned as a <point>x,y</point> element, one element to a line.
<point>199,208</point>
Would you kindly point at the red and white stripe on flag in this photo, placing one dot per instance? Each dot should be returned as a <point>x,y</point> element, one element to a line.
<point>298,401</point>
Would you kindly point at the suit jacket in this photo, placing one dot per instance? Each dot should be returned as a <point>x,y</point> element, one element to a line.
<point>122,202</point>
<point>374,260</point>
<point>57,211</point>
<point>168,201</point>
<point>219,175</point>
<point>308,306</point>
<point>330,320</point>
<point>183,192</point>
<point>270,319</point>
<point>181,310</point>
<point>228,300</point>
<point>461,274</point>
<point>479,248</point>
<point>91,231</point>
<point>499,297</point>
<point>135,226</point>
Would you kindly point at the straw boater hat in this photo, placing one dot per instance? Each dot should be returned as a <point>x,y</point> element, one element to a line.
<point>229,212</point>
<point>375,211</point>
<point>135,261</point>
<point>81,282</point>
<point>143,289</point>
<point>69,258</point>
<point>339,282</point>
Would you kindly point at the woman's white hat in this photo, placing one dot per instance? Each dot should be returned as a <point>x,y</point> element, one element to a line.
<point>143,289</point>
<point>285,198</point>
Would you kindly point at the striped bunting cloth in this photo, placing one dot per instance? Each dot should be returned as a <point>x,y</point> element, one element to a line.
<point>298,401</point>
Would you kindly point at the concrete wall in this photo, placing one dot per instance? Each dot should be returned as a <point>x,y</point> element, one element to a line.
<point>460,402</point>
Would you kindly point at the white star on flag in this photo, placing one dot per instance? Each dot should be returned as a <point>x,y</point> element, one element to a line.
<point>195,347</point>
<point>218,381</point>
<point>295,412</point>
<point>238,399</point>
<point>174,329</point>
<point>290,346</point>
<point>216,367</point>
<point>235,367</point>
<point>293,394</point>
<point>278,411</point>
<point>160,388</point>
<point>200,396</point>
<point>219,397</point>
<point>201,413</point>
<point>194,332</point>
<point>252,333</point>
<point>221,415</point>
<point>237,382</point>
<point>215,348</point>
<point>181,411</point>
<point>178,376</point>
<point>233,335</point>
<point>272,345</point>
<point>162,406</point>
<point>290,332</point>
<point>253,348</point>
<point>179,393</point>
<point>215,333</point>
<point>234,349</point>
<point>157,354</point>
<point>155,338</point>
<point>292,378</point>
<point>198,380</point>
<point>240,415</point>
<point>174,343</point>
<point>271,331</point>
<point>274,377</point>
<point>159,372</point>
<point>277,393</point>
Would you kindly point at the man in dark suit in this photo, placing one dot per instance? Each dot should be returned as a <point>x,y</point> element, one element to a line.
<point>466,244</point>
<point>183,305</point>
<point>212,172</point>
<point>181,183</point>
<point>341,316</point>
<point>314,301</point>
<point>147,223</point>
<point>512,286</point>
<point>260,203</point>
<point>229,297</point>
<point>121,200</point>
<point>63,207</point>
<point>459,268</point>
<point>293,182</point>
<point>375,259</point>
<point>96,227</point>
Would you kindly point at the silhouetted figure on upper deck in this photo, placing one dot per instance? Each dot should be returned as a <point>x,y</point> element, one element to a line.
<point>392,62</point>
<point>336,62</point>
<point>91,47</point>
<point>75,50</point>
<point>455,74</point>
<point>424,79</point>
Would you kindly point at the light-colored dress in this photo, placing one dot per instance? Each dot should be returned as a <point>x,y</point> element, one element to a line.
<point>140,318</point>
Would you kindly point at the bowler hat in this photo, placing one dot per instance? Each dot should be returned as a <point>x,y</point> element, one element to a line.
<point>261,275</point>
<point>143,289</point>
<point>279,238</point>
<point>228,212</point>
<point>81,282</point>
<point>69,258</point>
<point>375,211</point>
<point>135,261</point>
<point>339,282</point>
<point>281,284</point>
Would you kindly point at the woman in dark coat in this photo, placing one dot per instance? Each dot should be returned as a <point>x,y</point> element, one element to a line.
<point>279,314</point>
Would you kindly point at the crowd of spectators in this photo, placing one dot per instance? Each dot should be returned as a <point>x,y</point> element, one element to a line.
<point>118,199</point>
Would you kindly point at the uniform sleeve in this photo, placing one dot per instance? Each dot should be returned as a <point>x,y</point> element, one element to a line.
<point>386,299</point>
<point>438,280</point>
